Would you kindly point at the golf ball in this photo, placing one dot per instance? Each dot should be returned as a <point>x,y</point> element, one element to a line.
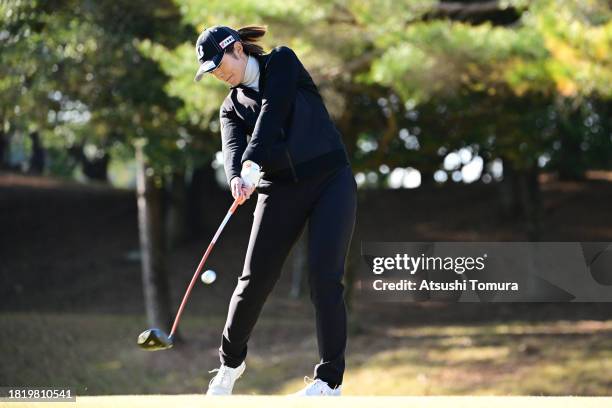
<point>208,277</point>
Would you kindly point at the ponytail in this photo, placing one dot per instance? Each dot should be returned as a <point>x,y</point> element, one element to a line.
<point>249,35</point>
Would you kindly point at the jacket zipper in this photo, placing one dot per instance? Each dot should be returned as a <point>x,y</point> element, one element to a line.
<point>293,173</point>
<point>295,179</point>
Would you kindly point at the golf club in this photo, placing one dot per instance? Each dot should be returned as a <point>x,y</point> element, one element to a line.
<point>156,339</point>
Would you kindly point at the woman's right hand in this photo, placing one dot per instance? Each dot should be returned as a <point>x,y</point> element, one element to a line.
<point>240,190</point>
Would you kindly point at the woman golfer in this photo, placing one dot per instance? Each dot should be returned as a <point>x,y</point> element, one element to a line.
<point>278,139</point>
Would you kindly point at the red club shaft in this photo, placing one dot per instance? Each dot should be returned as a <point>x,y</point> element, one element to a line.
<point>200,266</point>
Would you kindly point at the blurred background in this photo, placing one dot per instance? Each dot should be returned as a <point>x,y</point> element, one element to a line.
<point>464,120</point>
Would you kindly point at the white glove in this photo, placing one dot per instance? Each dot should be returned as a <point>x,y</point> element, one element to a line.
<point>251,173</point>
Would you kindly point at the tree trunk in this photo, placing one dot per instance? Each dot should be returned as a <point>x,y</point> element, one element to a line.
<point>150,226</point>
<point>508,192</point>
<point>176,210</point>
<point>3,148</point>
<point>94,169</point>
<point>37,159</point>
<point>427,178</point>
<point>571,164</point>
<point>97,168</point>
<point>519,194</point>
<point>529,189</point>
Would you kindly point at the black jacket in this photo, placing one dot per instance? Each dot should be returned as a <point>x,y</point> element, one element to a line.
<point>285,127</point>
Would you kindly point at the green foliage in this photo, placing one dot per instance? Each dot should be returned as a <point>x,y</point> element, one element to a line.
<point>498,84</point>
<point>79,77</point>
<point>109,73</point>
<point>443,58</point>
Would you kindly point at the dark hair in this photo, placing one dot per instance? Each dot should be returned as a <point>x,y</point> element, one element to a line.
<point>248,37</point>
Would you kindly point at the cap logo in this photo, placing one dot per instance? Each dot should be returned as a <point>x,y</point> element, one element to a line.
<point>226,42</point>
<point>200,51</point>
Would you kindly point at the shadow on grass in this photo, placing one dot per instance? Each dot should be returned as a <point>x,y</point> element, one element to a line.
<point>97,354</point>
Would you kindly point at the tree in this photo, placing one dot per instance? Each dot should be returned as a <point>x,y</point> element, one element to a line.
<point>74,74</point>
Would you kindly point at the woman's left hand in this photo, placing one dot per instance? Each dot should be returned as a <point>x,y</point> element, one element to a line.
<point>251,174</point>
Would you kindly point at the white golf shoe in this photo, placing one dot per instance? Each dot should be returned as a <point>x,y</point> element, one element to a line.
<point>317,388</point>
<point>223,382</point>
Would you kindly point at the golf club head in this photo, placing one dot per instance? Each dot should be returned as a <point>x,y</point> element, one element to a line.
<point>154,339</point>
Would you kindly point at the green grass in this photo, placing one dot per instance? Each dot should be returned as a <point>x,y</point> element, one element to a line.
<point>97,355</point>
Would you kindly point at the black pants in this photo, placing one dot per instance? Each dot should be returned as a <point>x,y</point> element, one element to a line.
<point>328,203</point>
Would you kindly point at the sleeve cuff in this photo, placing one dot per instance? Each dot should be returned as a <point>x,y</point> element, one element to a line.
<point>252,155</point>
<point>229,180</point>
